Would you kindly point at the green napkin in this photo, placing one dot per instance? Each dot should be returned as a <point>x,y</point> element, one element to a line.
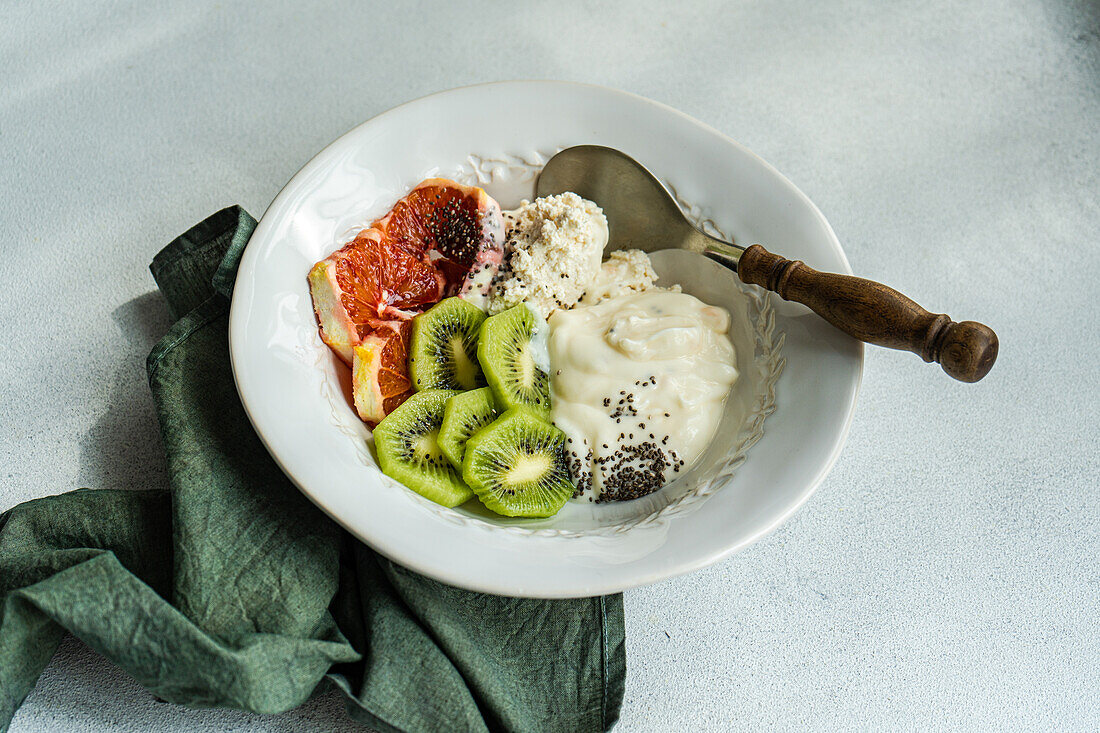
<point>231,589</point>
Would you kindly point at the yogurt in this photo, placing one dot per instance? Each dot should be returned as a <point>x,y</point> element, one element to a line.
<point>638,385</point>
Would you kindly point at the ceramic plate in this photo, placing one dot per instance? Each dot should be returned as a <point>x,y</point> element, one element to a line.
<point>785,421</point>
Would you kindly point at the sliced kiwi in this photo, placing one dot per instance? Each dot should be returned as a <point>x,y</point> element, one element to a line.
<point>517,466</point>
<point>407,441</point>
<point>508,348</point>
<point>443,350</point>
<point>465,414</point>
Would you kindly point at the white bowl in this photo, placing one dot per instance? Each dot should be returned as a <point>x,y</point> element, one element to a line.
<point>762,466</point>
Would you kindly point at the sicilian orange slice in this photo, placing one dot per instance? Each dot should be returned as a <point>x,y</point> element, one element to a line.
<point>372,279</point>
<point>461,228</point>
<point>442,238</point>
<point>380,371</point>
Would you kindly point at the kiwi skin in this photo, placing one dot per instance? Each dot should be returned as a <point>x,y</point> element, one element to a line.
<point>516,438</point>
<point>464,415</point>
<point>408,449</point>
<point>443,346</point>
<point>505,339</point>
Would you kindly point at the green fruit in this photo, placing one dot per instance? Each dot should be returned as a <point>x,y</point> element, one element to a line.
<point>464,415</point>
<point>507,349</point>
<point>517,466</point>
<point>443,348</point>
<point>407,441</point>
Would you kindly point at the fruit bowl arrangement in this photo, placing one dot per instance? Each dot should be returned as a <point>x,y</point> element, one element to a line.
<point>404,305</point>
<point>467,371</point>
<point>419,376</point>
<point>300,392</point>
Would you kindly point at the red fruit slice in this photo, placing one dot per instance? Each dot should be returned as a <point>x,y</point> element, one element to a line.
<point>369,280</point>
<point>442,238</point>
<point>380,371</point>
<point>461,227</point>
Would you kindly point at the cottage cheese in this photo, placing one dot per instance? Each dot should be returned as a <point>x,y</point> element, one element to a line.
<point>624,272</point>
<point>555,245</point>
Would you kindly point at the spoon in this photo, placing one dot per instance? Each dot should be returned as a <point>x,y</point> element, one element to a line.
<point>641,214</point>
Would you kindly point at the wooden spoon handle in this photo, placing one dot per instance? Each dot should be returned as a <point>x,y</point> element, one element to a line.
<point>872,312</point>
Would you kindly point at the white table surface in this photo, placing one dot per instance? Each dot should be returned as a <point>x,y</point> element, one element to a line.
<point>945,575</point>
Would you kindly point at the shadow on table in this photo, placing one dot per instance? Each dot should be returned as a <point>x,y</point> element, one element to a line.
<point>122,449</point>
<point>1083,17</point>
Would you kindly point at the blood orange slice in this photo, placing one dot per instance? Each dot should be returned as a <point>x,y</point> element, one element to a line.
<point>461,227</point>
<point>370,280</point>
<point>380,370</point>
<point>442,238</point>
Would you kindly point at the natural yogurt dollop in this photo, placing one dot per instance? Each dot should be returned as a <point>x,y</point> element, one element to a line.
<point>638,383</point>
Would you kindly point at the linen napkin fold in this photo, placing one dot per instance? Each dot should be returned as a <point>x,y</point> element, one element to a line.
<point>232,590</point>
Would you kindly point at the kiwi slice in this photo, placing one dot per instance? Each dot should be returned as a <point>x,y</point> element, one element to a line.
<point>517,466</point>
<point>464,415</point>
<point>407,441</point>
<point>443,349</point>
<point>509,348</point>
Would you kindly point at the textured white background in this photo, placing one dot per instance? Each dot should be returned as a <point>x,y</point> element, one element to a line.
<point>944,576</point>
